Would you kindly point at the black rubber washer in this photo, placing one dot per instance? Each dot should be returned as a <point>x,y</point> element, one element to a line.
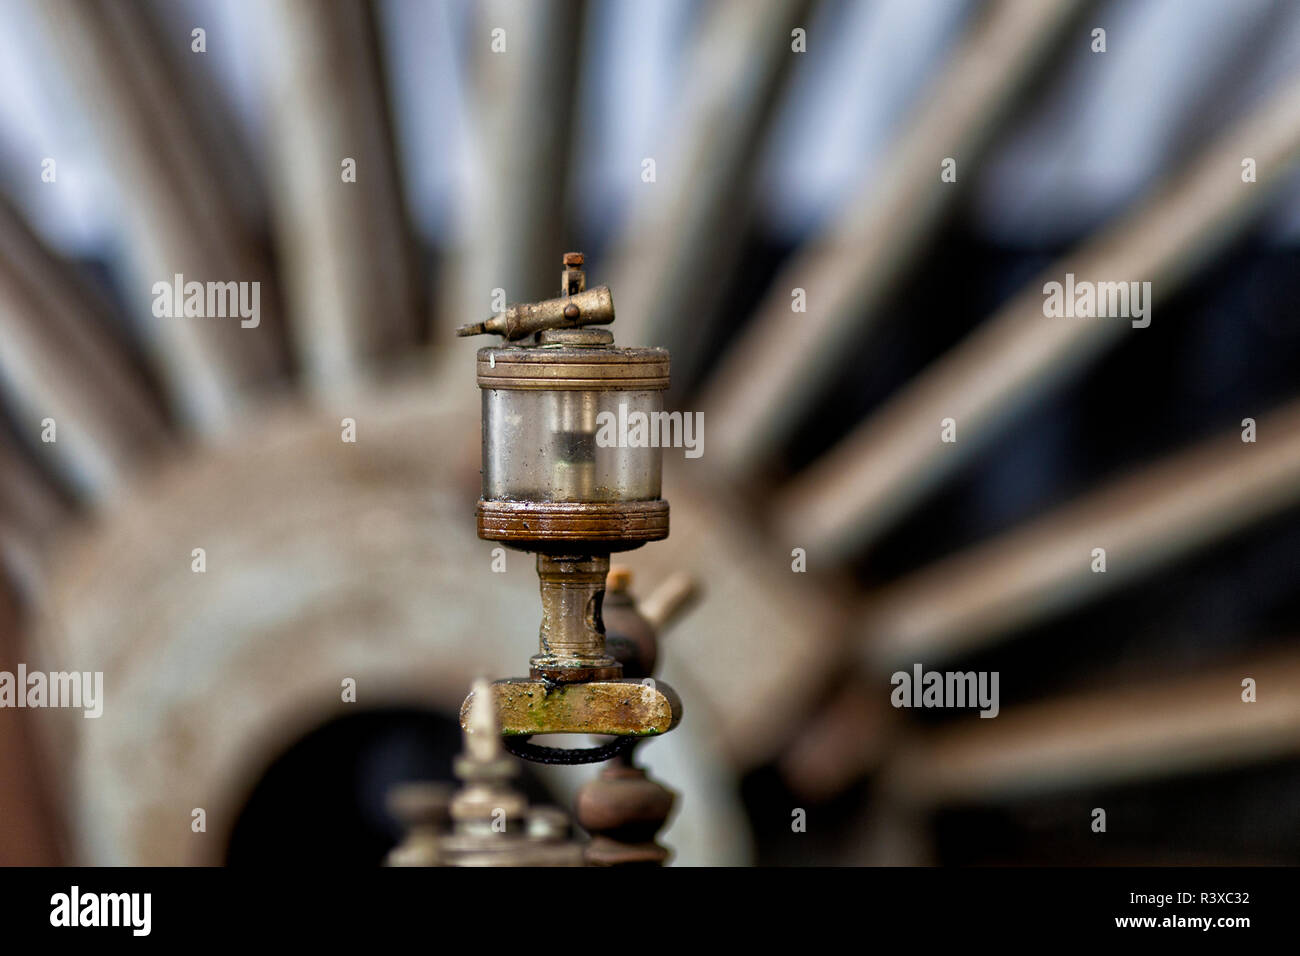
<point>565,756</point>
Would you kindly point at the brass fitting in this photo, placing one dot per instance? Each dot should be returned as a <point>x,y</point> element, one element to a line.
<point>572,636</point>
<point>553,484</point>
<point>589,307</point>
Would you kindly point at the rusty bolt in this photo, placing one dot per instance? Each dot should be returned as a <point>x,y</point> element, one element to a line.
<point>570,312</point>
<point>573,259</point>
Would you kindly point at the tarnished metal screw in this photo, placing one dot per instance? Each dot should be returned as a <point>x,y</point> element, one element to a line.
<point>572,280</point>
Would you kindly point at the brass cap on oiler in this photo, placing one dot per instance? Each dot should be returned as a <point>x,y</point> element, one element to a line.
<point>599,369</point>
<point>569,471</point>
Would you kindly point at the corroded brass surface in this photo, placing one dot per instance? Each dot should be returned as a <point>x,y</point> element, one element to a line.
<point>571,640</point>
<point>619,708</point>
<point>586,338</point>
<point>589,307</point>
<point>543,525</point>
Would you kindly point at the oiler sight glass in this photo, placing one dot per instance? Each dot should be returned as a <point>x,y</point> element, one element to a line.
<point>554,484</point>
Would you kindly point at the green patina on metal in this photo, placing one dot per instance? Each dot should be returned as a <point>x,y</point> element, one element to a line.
<point>528,707</point>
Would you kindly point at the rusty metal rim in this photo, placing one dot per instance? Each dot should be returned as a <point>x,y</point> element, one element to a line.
<point>609,523</point>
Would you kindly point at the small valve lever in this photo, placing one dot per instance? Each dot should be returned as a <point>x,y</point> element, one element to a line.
<point>591,307</point>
